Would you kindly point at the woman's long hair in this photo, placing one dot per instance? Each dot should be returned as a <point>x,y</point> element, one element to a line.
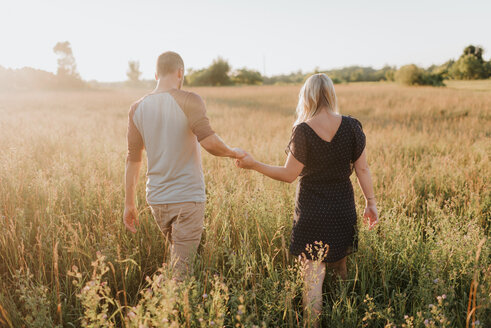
<point>317,92</point>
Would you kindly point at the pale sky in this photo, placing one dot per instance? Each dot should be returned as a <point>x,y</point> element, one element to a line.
<point>285,35</point>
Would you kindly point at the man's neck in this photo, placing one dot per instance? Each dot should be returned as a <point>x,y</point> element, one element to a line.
<point>164,85</point>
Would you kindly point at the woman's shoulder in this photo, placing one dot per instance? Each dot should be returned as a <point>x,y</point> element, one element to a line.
<point>353,121</point>
<point>301,127</point>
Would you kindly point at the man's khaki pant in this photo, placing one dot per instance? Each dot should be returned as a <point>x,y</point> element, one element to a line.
<point>182,225</point>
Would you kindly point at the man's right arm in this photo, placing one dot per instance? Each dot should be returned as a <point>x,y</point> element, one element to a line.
<point>133,165</point>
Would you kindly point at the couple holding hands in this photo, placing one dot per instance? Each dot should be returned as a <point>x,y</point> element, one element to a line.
<point>325,147</point>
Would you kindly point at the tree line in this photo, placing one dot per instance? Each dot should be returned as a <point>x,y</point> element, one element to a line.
<point>469,66</point>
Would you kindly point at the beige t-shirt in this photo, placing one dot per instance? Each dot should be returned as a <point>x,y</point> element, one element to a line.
<point>169,126</point>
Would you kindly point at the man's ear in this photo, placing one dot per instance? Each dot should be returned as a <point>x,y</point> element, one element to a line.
<point>156,76</point>
<point>180,73</point>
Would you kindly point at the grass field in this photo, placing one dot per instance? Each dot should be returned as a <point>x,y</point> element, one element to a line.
<point>66,259</point>
<point>479,85</point>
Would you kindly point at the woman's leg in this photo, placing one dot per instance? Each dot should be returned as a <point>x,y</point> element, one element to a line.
<point>339,268</point>
<point>314,273</point>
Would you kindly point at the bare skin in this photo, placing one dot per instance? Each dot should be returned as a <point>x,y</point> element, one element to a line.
<point>325,124</point>
<point>212,144</point>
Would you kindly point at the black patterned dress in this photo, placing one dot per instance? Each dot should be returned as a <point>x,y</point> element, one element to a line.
<point>325,212</point>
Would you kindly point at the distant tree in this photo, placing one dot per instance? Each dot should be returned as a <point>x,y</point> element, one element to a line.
<point>292,78</point>
<point>133,71</point>
<point>475,51</point>
<point>390,75</point>
<point>66,61</point>
<point>218,72</point>
<point>470,65</point>
<point>197,77</point>
<point>245,76</point>
<point>358,74</point>
<point>386,73</point>
<point>442,69</point>
<point>414,75</point>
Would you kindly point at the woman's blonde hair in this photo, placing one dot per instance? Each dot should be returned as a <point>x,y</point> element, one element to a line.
<point>317,92</point>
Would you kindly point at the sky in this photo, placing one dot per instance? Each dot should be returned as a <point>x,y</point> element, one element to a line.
<point>273,37</point>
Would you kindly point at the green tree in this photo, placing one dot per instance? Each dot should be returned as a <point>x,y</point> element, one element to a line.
<point>475,51</point>
<point>443,69</point>
<point>218,72</point>
<point>468,67</point>
<point>245,76</point>
<point>197,77</point>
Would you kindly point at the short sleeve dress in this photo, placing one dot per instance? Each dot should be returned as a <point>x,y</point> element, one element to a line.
<point>325,212</point>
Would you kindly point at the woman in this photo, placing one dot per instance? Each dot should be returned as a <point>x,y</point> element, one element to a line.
<point>323,149</point>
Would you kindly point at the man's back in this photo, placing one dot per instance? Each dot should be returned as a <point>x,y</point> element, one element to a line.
<point>169,125</point>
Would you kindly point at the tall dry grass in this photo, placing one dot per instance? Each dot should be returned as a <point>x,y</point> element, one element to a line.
<point>66,259</point>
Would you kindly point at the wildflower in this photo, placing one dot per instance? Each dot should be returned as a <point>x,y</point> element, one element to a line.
<point>444,296</point>
<point>431,306</point>
<point>406,316</point>
<point>205,295</point>
<point>436,281</point>
<point>240,312</point>
<point>212,323</point>
<point>427,322</point>
<point>131,314</point>
<point>477,323</point>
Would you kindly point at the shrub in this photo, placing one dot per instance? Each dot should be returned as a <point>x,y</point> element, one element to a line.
<point>414,75</point>
<point>409,75</point>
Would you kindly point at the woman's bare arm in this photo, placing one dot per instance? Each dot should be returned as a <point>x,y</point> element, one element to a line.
<point>286,173</point>
<point>365,180</point>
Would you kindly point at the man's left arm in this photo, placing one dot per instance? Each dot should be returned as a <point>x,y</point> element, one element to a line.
<point>195,110</point>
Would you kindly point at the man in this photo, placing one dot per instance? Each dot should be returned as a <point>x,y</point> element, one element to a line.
<point>171,124</point>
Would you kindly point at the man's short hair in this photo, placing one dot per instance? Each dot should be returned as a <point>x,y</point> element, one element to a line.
<point>169,62</point>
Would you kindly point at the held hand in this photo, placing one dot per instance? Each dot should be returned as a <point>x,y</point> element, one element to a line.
<point>239,153</point>
<point>372,215</point>
<point>130,218</point>
<point>246,162</point>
